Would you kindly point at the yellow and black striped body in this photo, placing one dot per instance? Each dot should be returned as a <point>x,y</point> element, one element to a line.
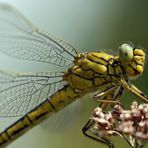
<point>91,71</point>
<point>88,74</point>
<point>55,103</point>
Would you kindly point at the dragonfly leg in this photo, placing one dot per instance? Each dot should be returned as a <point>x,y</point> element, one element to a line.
<point>104,92</point>
<point>109,101</point>
<point>108,95</point>
<point>130,87</point>
<point>102,140</point>
<point>113,97</point>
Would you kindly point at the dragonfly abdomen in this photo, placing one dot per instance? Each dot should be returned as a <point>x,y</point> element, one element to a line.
<point>51,105</point>
<point>25,123</point>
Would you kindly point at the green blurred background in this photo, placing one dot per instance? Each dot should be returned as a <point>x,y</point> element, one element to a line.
<point>87,25</point>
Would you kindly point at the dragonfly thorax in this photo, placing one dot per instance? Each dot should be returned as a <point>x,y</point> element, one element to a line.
<point>92,71</point>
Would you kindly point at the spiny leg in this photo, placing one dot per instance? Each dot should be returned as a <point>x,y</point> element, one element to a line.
<point>105,93</point>
<point>118,94</point>
<point>102,140</point>
<point>110,96</point>
<point>130,87</point>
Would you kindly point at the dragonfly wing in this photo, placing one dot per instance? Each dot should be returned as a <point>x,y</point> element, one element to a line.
<point>21,39</point>
<point>19,93</point>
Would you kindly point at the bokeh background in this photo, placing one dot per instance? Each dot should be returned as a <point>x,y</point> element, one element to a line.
<point>87,25</point>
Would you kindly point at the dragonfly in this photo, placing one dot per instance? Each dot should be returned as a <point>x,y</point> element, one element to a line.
<point>35,97</point>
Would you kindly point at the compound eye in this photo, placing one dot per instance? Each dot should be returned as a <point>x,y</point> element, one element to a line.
<point>126,52</point>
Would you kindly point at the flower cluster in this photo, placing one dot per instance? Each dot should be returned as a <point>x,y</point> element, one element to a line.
<point>132,125</point>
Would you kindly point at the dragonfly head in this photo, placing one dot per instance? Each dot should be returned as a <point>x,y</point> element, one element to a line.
<point>132,59</point>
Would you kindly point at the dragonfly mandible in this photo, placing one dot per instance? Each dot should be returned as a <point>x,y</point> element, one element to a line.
<point>36,96</point>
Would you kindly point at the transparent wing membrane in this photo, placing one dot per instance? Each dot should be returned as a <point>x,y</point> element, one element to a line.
<point>20,39</point>
<point>19,93</point>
